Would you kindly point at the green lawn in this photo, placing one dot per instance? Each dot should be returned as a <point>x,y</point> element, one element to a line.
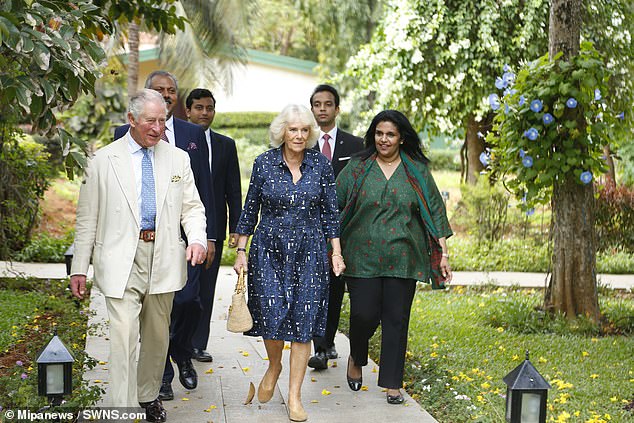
<point>462,342</point>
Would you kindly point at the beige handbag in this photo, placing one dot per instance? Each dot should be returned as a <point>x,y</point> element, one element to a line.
<point>239,318</point>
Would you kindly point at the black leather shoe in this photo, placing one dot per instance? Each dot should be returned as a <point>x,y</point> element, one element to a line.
<point>202,356</point>
<point>154,411</point>
<point>354,384</point>
<point>395,399</point>
<point>319,361</point>
<point>331,353</point>
<point>187,374</point>
<point>166,393</point>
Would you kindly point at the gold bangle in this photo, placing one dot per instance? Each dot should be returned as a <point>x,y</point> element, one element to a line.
<point>336,255</point>
<point>445,255</point>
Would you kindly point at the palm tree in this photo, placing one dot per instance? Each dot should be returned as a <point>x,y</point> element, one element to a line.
<point>205,53</point>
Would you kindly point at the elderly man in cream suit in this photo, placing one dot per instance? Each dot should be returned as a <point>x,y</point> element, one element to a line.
<point>136,194</point>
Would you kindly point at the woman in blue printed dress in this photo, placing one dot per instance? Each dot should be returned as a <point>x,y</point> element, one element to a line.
<point>292,189</point>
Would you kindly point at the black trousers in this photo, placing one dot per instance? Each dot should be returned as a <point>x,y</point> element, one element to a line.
<point>335,298</point>
<point>387,301</point>
<point>208,279</point>
<point>184,319</point>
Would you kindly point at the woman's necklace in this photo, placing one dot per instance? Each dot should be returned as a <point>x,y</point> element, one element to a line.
<point>381,160</point>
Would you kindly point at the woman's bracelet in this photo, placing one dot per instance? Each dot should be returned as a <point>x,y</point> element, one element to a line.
<point>337,255</point>
<point>241,250</point>
<point>445,255</point>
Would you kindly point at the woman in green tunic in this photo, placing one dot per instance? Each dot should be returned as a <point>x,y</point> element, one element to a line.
<point>393,231</point>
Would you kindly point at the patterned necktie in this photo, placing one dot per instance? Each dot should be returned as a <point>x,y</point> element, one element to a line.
<point>148,196</point>
<point>164,136</point>
<point>326,150</point>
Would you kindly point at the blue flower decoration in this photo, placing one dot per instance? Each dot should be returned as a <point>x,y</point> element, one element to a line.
<point>480,134</point>
<point>522,100</point>
<point>527,161</point>
<point>508,77</point>
<point>621,115</point>
<point>530,211</point>
<point>597,94</point>
<point>507,109</point>
<point>571,103</point>
<point>586,177</point>
<point>494,101</point>
<point>506,68</point>
<point>484,159</point>
<point>548,118</point>
<point>531,134</point>
<point>500,83</point>
<point>536,106</point>
<point>522,153</point>
<point>509,91</point>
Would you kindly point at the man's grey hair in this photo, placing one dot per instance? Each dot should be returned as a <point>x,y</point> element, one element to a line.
<point>148,80</point>
<point>141,98</point>
<point>291,114</point>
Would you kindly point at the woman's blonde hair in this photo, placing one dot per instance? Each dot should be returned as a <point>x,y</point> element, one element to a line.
<point>291,114</point>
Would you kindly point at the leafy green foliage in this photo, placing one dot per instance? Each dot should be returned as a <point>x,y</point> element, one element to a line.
<point>426,62</point>
<point>44,248</point>
<point>25,175</point>
<point>157,15</point>
<point>458,354</point>
<point>243,120</point>
<point>33,308</point>
<point>614,217</point>
<point>485,210</point>
<point>552,125</point>
<point>48,58</point>
<point>444,160</point>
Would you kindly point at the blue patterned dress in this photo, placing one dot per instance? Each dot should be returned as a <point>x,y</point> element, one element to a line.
<point>288,264</point>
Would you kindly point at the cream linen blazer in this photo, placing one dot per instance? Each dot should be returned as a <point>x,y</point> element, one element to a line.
<point>108,221</point>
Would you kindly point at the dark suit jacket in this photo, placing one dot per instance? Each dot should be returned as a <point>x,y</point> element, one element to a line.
<point>346,145</point>
<point>191,138</point>
<point>225,172</point>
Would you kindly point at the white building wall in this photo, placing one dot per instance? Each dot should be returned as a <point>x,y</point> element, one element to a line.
<point>262,88</point>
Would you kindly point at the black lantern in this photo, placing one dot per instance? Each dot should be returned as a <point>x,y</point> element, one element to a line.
<point>526,394</point>
<point>55,370</point>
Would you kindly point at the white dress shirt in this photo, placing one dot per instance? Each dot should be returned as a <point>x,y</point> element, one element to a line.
<point>208,136</point>
<point>331,141</point>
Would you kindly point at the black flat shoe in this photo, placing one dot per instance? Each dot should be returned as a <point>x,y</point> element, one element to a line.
<point>319,361</point>
<point>154,411</point>
<point>331,353</point>
<point>166,393</point>
<point>354,384</point>
<point>395,399</point>
<point>202,356</point>
<point>187,374</point>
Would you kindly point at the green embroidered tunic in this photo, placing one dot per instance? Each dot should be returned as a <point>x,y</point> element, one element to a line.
<point>385,236</point>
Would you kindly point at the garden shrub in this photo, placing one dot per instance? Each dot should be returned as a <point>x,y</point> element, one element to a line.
<point>243,120</point>
<point>444,160</point>
<point>44,248</point>
<point>25,174</point>
<point>484,210</point>
<point>614,217</point>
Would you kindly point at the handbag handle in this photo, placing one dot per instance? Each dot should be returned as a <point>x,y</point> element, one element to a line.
<point>240,286</point>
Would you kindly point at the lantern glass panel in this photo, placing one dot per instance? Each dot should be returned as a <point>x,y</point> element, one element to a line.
<point>54,379</point>
<point>509,402</point>
<point>531,407</point>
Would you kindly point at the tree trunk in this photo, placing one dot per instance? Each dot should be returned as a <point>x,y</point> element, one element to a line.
<point>133,58</point>
<point>475,146</point>
<point>572,289</point>
<point>610,176</point>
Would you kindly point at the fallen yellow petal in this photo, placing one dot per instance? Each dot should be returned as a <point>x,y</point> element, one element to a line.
<point>334,364</point>
<point>245,369</point>
<point>184,399</point>
<point>312,379</point>
<point>374,369</point>
<point>210,371</point>
<point>97,381</point>
<point>325,392</point>
<point>314,401</point>
<point>364,388</point>
<point>101,363</point>
<point>246,354</point>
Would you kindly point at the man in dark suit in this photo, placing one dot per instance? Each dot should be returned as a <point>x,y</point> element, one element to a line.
<point>186,308</point>
<point>338,146</point>
<point>225,173</point>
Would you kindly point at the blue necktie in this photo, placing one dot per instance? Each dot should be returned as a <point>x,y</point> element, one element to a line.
<point>148,197</point>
